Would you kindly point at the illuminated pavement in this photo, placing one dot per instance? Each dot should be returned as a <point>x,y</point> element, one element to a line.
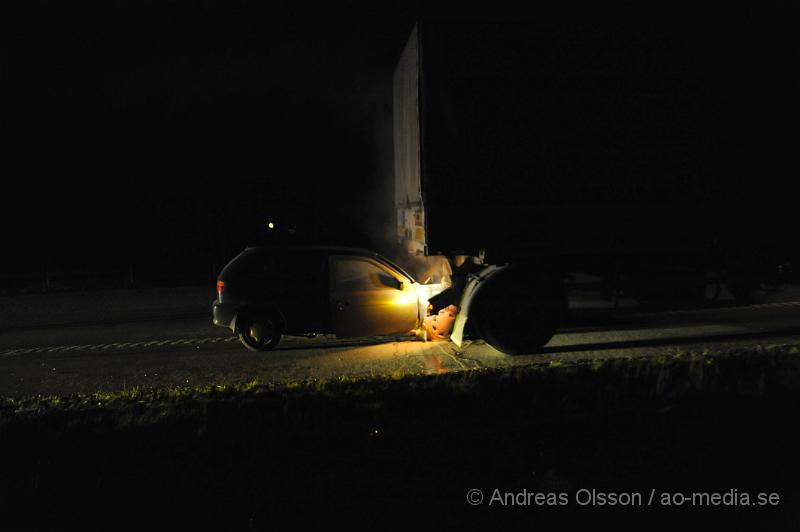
<point>64,360</point>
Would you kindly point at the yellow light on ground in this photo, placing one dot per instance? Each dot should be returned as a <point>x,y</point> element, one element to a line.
<point>271,225</point>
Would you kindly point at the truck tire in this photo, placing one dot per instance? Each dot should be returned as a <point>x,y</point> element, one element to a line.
<point>753,291</point>
<point>670,289</point>
<point>259,331</point>
<point>743,290</point>
<point>755,280</point>
<point>518,311</point>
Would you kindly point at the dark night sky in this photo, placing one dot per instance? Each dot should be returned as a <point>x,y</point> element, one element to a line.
<point>157,132</point>
<point>167,133</point>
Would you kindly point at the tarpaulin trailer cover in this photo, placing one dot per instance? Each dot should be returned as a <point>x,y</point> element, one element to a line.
<point>566,137</point>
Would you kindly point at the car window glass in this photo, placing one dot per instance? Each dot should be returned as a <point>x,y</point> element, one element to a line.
<point>281,267</point>
<point>269,265</point>
<point>356,274</point>
<point>246,264</point>
<point>306,268</point>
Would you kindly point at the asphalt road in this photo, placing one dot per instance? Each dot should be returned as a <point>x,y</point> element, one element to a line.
<point>178,352</point>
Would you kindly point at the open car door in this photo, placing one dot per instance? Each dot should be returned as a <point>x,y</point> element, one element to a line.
<point>369,299</point>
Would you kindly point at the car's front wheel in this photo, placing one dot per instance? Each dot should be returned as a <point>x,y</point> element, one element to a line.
<point>259,332</point>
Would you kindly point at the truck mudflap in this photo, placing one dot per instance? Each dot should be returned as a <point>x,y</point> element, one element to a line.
<point>470,290</point>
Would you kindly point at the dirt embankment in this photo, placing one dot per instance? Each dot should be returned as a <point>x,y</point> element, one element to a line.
<point>385,452</point>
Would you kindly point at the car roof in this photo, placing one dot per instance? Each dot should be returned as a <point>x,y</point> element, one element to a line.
<point>301,247</point>
<point>331,250</point>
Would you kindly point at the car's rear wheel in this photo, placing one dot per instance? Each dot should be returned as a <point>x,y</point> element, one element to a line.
<point>259,332</point>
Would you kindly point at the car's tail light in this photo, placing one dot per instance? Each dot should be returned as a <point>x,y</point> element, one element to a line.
<point>220,288</point>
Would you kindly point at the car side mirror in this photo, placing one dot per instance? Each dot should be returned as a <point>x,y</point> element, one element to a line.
<point>391,281</point>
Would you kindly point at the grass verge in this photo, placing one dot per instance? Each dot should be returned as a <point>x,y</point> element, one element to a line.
<point>386,450</point>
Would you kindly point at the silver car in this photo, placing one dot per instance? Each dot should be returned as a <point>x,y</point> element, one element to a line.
<point>264,293</point>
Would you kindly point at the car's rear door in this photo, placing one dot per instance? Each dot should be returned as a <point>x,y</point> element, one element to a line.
<point>367,298</point>
<point>303,291</point>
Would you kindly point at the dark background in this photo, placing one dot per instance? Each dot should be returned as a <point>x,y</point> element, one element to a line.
<point>164,135</point>
<point>160,137</point>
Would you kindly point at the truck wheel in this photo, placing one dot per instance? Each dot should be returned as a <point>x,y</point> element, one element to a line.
<point>259,332</point>
<point>683,289</point>
<point>518,311</point>
<point>757,285</point>
<point>753,291</point>
<point>743,290</point>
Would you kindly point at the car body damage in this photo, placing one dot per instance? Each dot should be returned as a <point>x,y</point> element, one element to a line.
<point>472,287</point>
<point>265,293</point>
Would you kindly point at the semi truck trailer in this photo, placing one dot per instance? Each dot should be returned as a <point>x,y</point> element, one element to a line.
<point>647,150</point>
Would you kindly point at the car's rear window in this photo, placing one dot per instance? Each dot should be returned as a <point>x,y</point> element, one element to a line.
<point>250,263</point>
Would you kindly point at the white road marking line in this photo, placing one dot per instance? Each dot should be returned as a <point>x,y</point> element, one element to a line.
<point>115,345</point>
